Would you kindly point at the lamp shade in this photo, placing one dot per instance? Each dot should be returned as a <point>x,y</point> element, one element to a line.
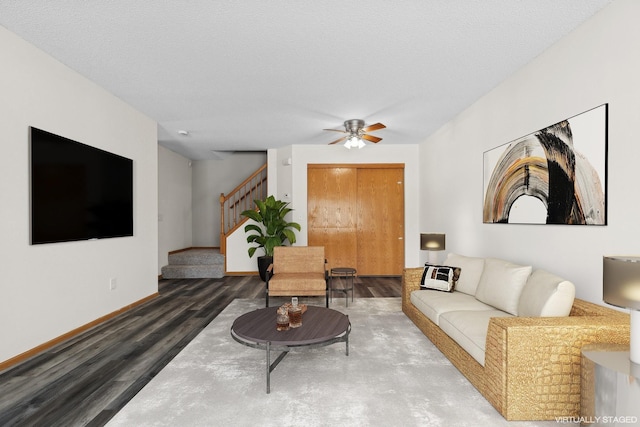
<point>621,281</point>
<point>432,241</point>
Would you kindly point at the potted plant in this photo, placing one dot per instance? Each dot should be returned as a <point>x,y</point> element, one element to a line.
<point>272,229</point>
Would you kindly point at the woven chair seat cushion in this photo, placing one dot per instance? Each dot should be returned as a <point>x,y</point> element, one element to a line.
<point>285,284</point>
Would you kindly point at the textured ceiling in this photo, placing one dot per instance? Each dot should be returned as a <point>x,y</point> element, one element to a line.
<point>256,74</point>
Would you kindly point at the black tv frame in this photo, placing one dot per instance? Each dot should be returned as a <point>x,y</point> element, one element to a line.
<point>77,191</point>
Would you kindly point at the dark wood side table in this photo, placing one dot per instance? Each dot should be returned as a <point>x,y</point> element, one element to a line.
<point>348,274</point>
<point>320,327</point>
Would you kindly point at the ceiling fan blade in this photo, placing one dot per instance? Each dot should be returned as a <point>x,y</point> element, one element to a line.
<point>336,130</point>
<point>338,140</point>
<point>373,127</point>
<point>371,138</point>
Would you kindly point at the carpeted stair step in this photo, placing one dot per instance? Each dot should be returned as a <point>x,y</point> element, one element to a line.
<point>202,271</point>
<point>194,264</point>
<point>196,257</point>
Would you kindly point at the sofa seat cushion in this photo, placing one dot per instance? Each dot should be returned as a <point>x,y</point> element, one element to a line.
<point>469,329</point>
<point>292,284</point>
<point>433,303</point>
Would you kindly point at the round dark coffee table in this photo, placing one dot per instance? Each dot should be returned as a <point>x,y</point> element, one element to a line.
<point>320,327</point>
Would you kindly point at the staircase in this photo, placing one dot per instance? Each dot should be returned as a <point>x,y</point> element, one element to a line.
<point>238,200</point>
<point>209,263</point>
<point>199,263</point>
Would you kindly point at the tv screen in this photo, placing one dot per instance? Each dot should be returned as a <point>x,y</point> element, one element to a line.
<point>78,192</point>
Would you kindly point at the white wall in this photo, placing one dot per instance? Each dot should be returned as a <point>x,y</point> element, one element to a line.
<point>48,290</point>
<point>175,224</point>
<point>597,63</point>
<point>210,179</point>
<point>289,183</point>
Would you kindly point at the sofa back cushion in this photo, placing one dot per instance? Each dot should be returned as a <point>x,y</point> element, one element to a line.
<point>546,295</point>
<point>501,284</point>
<point>470,272</point>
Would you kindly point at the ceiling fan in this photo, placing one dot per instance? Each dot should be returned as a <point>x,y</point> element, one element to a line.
<point>356,132</point>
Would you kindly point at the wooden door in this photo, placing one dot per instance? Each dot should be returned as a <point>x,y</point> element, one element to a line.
<point>357,213</point>
<point>380,221</point>
<point>331,214</point>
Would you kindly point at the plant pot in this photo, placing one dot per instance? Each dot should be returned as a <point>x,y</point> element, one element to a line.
<point>263,263</point>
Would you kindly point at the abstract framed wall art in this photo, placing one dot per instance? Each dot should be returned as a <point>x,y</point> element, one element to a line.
<point>556,175</point>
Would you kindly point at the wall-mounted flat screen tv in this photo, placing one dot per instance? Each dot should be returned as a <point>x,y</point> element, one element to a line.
<point>78,192</point>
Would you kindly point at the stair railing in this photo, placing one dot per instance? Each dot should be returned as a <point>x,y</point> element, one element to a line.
<point>238,200</point>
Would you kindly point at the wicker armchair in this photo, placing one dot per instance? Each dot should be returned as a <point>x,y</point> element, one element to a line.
<point>532,365</point>
<point>297,271</point>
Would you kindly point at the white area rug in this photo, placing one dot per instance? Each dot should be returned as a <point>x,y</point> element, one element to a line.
<point>393,376</point>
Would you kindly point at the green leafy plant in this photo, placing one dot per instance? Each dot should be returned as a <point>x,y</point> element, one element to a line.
<point>272,229</point>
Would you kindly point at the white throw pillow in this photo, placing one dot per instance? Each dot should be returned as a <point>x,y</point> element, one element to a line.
<point>470,272</point>
<point>546,295</point>
<point>501,284</point>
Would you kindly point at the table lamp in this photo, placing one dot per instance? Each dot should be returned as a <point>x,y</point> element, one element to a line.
<point>432,242</point>
<point>621,287</point>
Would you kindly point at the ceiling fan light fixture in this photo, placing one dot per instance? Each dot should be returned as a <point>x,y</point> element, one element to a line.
<point>354,141</point>
<point>356,133</point>
<point>353,126</point>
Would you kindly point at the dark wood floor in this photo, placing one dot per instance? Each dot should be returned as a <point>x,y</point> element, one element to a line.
<point>86,380</point>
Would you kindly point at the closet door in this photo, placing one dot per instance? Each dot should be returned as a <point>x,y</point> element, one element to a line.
<point>380,221</point>
<point>357,213</point>
<point>331,214</point>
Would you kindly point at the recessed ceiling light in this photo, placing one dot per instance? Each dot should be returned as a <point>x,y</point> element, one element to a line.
<point>183,132</point>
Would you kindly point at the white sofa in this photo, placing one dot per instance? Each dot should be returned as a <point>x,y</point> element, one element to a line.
<point>514,332</point>
<point>488,288</point>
